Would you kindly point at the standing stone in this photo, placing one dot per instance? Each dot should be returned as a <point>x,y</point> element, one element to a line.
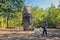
<point>27,18</point>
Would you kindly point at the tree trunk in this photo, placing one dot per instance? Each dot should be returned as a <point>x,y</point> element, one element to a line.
<point>7,22</point>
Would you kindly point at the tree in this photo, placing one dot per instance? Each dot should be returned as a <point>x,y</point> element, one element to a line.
<point>8,8</point>
<point>39,15</point>
<point>52,17</point>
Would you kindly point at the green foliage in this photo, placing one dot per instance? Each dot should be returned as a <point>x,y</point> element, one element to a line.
<point>51,16</point>
<point>11,14</point>
<point>8,8</point>
<point>39,15</point>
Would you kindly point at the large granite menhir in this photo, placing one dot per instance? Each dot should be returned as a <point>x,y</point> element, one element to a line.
<point>27,19</point>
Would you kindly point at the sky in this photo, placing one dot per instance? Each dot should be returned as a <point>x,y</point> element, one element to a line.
<point>42,3</point>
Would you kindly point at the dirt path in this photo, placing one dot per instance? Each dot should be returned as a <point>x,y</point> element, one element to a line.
<point>17,34</point>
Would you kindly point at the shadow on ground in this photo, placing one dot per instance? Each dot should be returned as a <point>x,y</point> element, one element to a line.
<point>52,35</point>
